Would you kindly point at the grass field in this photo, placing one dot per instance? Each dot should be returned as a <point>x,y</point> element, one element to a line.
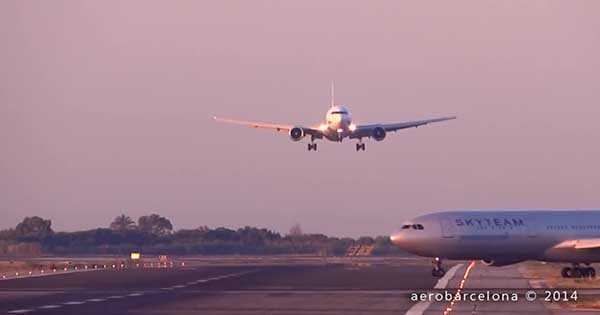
<point>548,275</point>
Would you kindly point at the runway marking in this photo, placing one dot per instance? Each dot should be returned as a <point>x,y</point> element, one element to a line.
<point>420,307</point>
<point>292,291</point>
<point>443,282</point>
<point>23,311</point>
<point>136,294</point>
<point>46,307</point>
<point>112,297</point>
<point>96,300</point>
<point>46,274</point>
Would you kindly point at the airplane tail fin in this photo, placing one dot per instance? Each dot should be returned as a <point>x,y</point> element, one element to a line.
<point>332,94</point>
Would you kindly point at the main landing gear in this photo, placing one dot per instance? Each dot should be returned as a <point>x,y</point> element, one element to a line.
<point>578,272</point>
<point>437,271</point>
<point>312,146</point>
<point>360,145</point>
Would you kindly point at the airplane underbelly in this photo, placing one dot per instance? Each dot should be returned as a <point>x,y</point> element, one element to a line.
<point>572,255</point>
<point>487,246</point>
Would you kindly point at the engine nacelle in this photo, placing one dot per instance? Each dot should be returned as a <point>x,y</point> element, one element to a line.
<point>378,133</point>
<point>500,262</point>
<point>296,134</point>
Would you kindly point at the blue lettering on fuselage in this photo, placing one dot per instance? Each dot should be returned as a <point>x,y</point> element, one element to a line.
<point>489,222</point>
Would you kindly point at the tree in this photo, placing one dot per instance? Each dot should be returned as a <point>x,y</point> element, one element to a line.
<point>122,223</point>
<point>296,230</point>
<point>365,240</point>
<point>8,234</point>
<point>33,228</point>
<point>155,224</point>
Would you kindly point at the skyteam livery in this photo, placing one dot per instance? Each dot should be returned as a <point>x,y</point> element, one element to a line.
<point>500,238</point>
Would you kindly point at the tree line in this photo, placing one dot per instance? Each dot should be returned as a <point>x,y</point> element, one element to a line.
<point>154,234</point>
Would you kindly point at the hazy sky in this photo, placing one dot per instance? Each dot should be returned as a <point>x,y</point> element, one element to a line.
<point>106,108</point>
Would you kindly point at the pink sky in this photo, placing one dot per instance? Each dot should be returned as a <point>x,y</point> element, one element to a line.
<point>106,106</point>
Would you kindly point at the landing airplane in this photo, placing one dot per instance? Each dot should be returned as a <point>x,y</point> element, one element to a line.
<point>500,238</point>
<point>337,126</point>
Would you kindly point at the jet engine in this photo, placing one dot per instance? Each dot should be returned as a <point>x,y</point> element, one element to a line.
<point>378,133</point>
<point>296,134</point>
<point>500,262</point>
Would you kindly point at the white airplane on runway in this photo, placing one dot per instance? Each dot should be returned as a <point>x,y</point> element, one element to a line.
<point>500,238</point>
<point>337,126</point>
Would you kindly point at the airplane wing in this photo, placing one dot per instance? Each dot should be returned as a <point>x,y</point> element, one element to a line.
<point>587,243</point>
<point>278,127</point>
<point>367,130</point>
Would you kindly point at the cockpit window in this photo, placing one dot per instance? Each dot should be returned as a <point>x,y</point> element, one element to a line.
<point>412,226</point>
<point>340,112</point>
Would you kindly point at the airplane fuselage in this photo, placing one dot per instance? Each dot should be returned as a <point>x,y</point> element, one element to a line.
<point>338,123</point>
<point>504,237</point>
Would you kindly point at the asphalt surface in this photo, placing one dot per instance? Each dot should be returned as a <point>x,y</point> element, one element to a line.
<point>379,288</point>
<point>276,285</point>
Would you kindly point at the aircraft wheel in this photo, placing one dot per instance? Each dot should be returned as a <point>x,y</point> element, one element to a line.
<point>312,146</point>
<point>566,272</point>
<point>589,272</point>
<point>438,273</point>
<point>576,273</point>
<point>360,146</point>
<point>592,272</point>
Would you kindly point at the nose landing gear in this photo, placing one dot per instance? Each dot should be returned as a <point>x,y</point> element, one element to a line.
<point>578,272</point>
<point>312,146</point>
<point>438,271</point>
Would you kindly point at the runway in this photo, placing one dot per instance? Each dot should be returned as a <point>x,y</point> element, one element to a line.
<point>297,288</point>
<point>264,286</point>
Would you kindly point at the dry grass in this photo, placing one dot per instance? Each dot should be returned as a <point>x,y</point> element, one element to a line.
<point>549,275</point>
<point>14,266</point>
<point>592,302</point>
